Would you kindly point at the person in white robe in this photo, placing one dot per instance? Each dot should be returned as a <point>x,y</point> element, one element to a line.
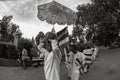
<point>25,58</point>
<point>52,60</point>
<point>95,53</point>
<point>78,61</point>
<point>70,63</point>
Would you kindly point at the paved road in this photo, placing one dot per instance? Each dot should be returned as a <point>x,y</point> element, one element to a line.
<point>107,67</point>
<point>32,73</point>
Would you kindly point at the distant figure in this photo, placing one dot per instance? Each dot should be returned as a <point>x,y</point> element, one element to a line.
<point>77,65</point>
<point>70,62</point>
<point>25,57</point>
<point>39,37</point>
<point>39,40</point>
<point>95,53</point>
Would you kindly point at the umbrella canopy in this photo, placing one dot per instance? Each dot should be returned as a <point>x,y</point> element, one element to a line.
<point>55,12</point>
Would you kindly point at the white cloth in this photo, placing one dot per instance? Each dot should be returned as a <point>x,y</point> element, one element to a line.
<point>40,46</point>
<point>70,63</point>
<point>52,62</point>
<point>24,54</point>
<point>77,65</point>
<point>54,44</point>
<point>95,53</point>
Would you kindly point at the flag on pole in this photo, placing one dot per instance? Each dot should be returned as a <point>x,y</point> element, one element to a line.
<point>63,41</point>
<point>63,38</point>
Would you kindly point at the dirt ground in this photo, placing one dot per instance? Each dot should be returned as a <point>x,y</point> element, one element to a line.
<point>106,67</point>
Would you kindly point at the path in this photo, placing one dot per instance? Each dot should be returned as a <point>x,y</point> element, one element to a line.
<point>107,67</point>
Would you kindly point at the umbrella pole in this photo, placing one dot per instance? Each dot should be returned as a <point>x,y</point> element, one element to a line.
<point>53,25</point>
<point>53,29</point>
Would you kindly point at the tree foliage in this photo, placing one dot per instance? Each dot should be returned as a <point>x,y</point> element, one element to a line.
<point>24,43</point>
<point>8,51</point>
<point>8,29</point>
<point>102,18</point>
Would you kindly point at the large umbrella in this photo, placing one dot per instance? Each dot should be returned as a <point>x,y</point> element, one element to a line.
<point>55,12</point>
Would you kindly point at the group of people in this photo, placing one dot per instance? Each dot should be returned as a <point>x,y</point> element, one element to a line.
<point>77,62</point>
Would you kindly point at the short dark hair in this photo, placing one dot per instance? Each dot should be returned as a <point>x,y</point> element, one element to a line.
<point>73,48</point>
<point>50,35</point>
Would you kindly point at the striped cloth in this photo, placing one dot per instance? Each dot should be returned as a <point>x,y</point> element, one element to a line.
<point>89,58</point>
<point>95,53</point>
<point>88,61</point>
<point>63,41</point>
<point>63,38</point>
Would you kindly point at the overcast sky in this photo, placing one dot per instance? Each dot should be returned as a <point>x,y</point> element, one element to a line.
<point>25,14</point>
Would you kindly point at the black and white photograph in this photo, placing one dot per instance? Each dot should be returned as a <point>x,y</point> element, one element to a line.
<point>59,39</point>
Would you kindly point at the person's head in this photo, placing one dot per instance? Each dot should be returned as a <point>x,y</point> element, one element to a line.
<point>80,47</point>
<point>86,46</point>
<point>73,48</point>
<point>42,36</point>
<point>49,36</point>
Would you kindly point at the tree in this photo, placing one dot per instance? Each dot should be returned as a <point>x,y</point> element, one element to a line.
<point>78,33</point>
<point>102,18</point>
<point>24,43</point>
<point>8,29</point>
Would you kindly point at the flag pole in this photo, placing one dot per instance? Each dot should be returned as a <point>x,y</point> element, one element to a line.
<point>53,30</point>
<point>63,50</point>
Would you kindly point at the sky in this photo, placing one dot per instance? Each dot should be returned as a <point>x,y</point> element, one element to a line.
<point>25,15</point>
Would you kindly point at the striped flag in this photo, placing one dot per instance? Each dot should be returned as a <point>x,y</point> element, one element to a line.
<point>63,38</point>
<point>63,41</point>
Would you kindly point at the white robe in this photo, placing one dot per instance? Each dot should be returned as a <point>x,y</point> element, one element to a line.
<point>24,54</point>
<point>52,62</point>
<point>95,53</point>
<point>76,66</point>
<point>70,63</point>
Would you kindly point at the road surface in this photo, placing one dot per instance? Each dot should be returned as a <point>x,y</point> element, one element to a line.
<point>107,67</point>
